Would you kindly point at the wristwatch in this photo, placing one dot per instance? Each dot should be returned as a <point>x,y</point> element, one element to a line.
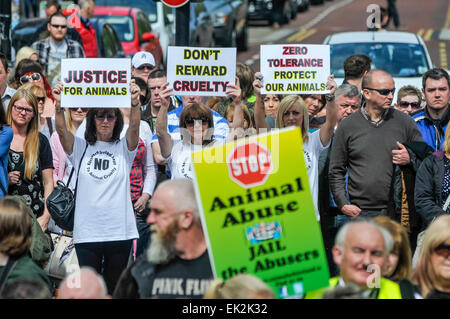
<point>329,97</point>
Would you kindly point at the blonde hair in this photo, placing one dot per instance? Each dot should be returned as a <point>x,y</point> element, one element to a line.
<point>436,233</point>
<point>15,227</point>
<point>24,53</point>
<point>446,146</point>
<point>242,286</point>
<point>31,145</point>
<point>402,248</point>
<point>285,104</point>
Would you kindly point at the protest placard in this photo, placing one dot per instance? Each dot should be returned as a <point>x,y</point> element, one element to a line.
<point>261,220</point>
<point>200,71</point>
<point>295,68</point>
<point>96,83</point>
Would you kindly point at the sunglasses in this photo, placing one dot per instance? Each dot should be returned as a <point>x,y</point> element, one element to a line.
<point>57,26</point>
<point>414,105</point>
<point>382,91</point>
<point>149,67</point>
<point>108,117</point>
<point>40,99</point>
<point>190,120</point>
<point>443,250</point>
<point>32,77</point>
<point>20,109</point>
<point>84,110</point>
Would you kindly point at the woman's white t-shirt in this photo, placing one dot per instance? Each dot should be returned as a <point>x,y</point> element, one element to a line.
<point>103,210</point>
<point>311,153</point>
<point>180,159</point>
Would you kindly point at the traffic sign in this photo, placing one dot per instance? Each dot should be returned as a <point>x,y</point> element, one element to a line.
<point>249,164</point>
<point>175,3</point>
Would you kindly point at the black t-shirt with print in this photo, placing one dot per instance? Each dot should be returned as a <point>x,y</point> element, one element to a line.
<point>182,278</point>
<point>31,190</point>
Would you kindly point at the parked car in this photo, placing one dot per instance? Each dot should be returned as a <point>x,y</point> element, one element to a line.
<point>108,42</point>
<point>160,16</point>
<point>30,30</point>
<point>133,28</point>
<point>263,10</point>
<point>303,5</point>
<point>230,22</point>
<point>403,55</point>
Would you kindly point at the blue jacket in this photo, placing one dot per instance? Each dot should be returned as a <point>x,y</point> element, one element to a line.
<point>6,135</point>
<point>433,133</point>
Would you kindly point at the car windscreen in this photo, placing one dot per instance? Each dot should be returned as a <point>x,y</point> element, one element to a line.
<point>148,6</point>
<point>123,25</point>
<point>398,59</point>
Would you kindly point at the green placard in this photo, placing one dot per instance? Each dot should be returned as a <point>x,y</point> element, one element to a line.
<point>257,212</point>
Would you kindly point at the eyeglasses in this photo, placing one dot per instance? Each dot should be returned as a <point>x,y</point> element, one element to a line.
<point>414,105</point>
<point>57,26</point>
<point>32,77</point>
<point>84,110</point>
<point>40,99</point>
<point>20,109</point>
<point>294,113</point>
<point>382,91</point>
<point>149,67</point>
<point>443,250</point>
<point>108,117</point>
<point>190,121</point>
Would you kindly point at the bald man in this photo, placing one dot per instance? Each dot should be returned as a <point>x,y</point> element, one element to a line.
<point>83,284</point>
<point>366,145</point>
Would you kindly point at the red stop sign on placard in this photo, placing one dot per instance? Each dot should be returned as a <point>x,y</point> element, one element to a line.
<point>174,3</point>
<point>249,164</point>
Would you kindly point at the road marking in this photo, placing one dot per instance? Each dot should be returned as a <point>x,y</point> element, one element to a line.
<point>447,21</point>
<point>301,35</point>
<point>425,34</point>
<point>443,55</point>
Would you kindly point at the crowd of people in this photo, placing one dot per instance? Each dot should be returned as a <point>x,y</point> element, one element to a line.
<point>378,171</point>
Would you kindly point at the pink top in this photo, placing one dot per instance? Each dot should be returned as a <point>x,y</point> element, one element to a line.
<point>59,157</point>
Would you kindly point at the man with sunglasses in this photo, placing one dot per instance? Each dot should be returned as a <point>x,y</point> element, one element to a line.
<point>56,46</point>
<point>432,120</point>
<point>366,145</point>
<point>6,92</point>
<point>142,64</point>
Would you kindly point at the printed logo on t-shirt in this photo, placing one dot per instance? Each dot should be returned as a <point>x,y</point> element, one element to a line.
<point>180,286</point>
<point>308,160</point>
<point>102,165</point>
<point>184,165</point>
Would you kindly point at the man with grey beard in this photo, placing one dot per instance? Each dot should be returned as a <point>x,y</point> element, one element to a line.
<point>176,264</point>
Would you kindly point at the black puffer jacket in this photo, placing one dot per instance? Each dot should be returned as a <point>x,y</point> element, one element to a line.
<point>428,191</point>
<point>418,151</point>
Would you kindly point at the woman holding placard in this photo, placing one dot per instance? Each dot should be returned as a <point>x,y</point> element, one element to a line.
<point>196,128</point>
<point>104,223</point>
<point>294,112</point>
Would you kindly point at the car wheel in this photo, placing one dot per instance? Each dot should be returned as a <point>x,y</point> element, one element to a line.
<point>242,43</point>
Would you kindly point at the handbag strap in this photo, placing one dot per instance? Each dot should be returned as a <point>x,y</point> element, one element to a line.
<point>79,166</point>
<point>7,271</point>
